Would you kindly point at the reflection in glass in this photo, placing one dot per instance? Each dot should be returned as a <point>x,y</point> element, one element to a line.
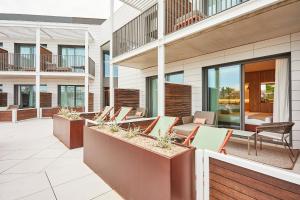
<point>224,86</point>
<point>71,96</point>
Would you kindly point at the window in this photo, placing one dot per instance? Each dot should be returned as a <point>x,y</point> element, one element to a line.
<point>267,92</point>
<point>1,44</point>
<point>71,95</point>
<point>1,87</point>
<point>177,77</point>
<point>72,56</point>
<point>106,57</point>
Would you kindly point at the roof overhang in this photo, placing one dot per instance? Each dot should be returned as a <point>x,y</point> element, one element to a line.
<point>22,31</point>
<point>140,5</point>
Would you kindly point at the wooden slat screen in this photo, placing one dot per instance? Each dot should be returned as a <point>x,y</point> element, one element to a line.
<point>127,98</point>
<point>91,102</point>
<point>46,100</point>
<point>229,181</point>
<point>178,100</point>
<point>3,99</point>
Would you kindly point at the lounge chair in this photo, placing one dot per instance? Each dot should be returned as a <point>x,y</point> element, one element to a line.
<point>209,138</point>
<point>139,113</point>
<point>161,125</point>
<point>105,113</point>
<point>121,114</point>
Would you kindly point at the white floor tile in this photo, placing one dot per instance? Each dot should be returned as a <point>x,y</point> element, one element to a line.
<point>43,195</point>
<point>4,178</point>
<point>74,153</point>
<point>50,153</point>
<point>66,169</point>
<point>30,166</point>
<point>20,154</point>
<point>23,187</point>
<point>112,195</point>
<point>86,188</point>
<point>6,164</point>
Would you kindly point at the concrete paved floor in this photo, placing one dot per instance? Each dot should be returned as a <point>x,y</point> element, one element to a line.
<point>34,165</point>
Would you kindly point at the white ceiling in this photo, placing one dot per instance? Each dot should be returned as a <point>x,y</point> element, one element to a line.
<point>29,33</point>
<point>140,5</point>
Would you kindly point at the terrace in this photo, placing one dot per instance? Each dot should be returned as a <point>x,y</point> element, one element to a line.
<point>36,165</point>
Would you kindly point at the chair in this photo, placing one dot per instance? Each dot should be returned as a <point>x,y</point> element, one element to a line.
<point>139,113</point>
<point>105,113</point>
<point>210,138</point>
<point>162,124</point>
<point>182,131</point>
<point>279,131</point>
<point>121,114</point>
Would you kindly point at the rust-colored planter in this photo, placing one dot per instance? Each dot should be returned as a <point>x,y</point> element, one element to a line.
<point>69,132</point>
<point>137,173</point>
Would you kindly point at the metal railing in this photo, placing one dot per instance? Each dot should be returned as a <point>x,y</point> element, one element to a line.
<point>17,62</point>
<point>136,33</point>
<point>48,63</point>
<point>183,13</point>
<point>62,63</point>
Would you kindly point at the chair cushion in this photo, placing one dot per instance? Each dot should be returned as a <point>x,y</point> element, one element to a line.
<point>185,129</point>
<point>162,126</point>
<point>139,114</point>
<point>270,135</point>
<point>199,120</point>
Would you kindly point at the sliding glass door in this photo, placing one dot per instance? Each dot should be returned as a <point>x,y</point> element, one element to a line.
<point>224,95</point>
<point>71,96</point>
<point>152,96</point>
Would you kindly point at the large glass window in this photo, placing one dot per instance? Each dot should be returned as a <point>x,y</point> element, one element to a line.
<point>71,95</point>
<point>25,95</point>
<point>224,88</point>
<point>216,6</point>
<point>72,56</point>
<point>106,58</point>
<point>177,77</point>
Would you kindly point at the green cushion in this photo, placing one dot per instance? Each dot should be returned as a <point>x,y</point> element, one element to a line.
<point>122,114</point>
<point>105,111</point>
<point>162,126</point>
<point>209,138</point>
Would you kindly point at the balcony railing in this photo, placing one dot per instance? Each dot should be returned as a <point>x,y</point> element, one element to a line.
<point>48,63</point>
<point>183,13</point>
<point>179,14</point>
<point>138,32</point>
<point>17,62</point>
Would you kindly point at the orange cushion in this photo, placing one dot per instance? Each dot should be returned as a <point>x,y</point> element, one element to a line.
<point>199,120</point>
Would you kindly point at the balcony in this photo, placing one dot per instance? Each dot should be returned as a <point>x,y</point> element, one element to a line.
<point>13,62</point>
<point>136,33</point>
<point>179,14</point>
<point>183,13</point>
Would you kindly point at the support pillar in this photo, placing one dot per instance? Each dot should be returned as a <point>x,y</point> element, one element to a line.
<point>111,65</point>
<point>86,70</point>
<point>37,69</point>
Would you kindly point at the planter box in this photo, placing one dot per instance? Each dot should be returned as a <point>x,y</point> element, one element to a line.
<point>49,112</point>
<point>69,132</point>
<point>137,173</point>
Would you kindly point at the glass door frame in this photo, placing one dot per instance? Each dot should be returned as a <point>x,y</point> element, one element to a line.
<point>242,93</point>
<point>205,103</point>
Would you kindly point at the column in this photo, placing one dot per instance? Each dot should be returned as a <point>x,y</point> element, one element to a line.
<point>86,77</point>
<point>111,65</point>
<point>161,59</point>
<point>37,68</point>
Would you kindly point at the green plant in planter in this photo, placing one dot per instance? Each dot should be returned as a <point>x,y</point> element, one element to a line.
<point>114,127</point>
<point>133,132</point>
<point>64,112</point>
<point>100,122</point>
<point>73,115</point>
<point>164,141</point>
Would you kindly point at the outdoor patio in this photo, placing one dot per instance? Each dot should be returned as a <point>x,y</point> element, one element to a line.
<point>34,165</point>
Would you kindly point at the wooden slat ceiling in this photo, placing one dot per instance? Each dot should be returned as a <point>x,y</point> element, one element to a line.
<point>140,5</point>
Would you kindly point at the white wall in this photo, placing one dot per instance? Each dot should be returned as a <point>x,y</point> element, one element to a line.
<point>193,71</point>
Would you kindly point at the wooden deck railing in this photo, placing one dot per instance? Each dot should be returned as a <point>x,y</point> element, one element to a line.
<point>220,176</point>
<point>17,62</point>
